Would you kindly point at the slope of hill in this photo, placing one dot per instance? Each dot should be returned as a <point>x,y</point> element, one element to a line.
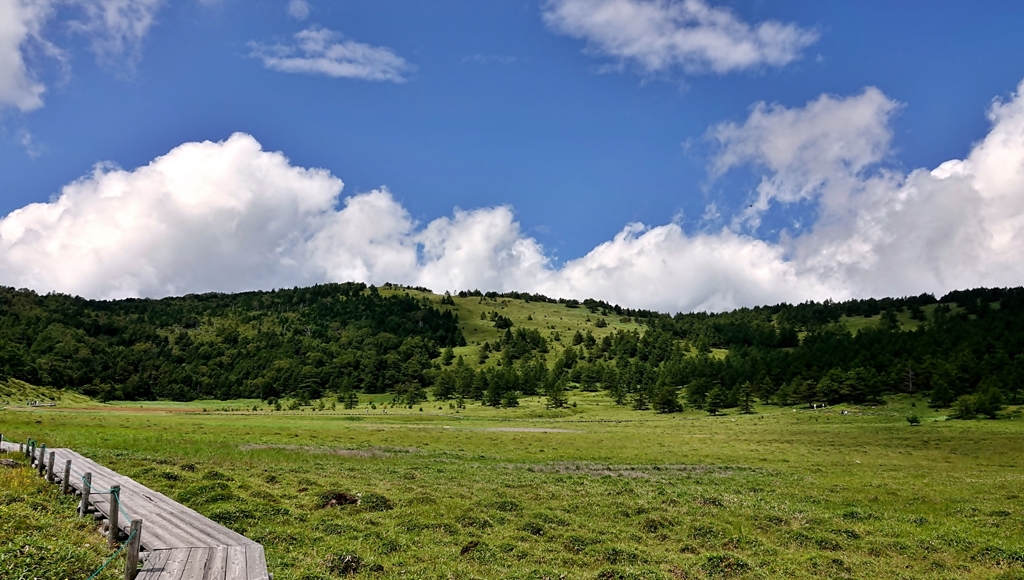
<point>15,393</point>
<point>346,339</point>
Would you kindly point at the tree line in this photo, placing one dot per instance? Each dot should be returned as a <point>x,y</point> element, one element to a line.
<point>968,353</point>
<point>299,342</point>
<point>965,350</point>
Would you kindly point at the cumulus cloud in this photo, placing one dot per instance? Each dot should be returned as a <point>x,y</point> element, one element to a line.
<point>213,216</point>
<point>882,232</point>
<point>819,150</point>
<point>229,216</point>
<point>322,51</point>
<point>660,35</point>
<point>21,23</point>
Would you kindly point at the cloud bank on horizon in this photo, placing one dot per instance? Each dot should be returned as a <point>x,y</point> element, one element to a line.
<point>229,216</point>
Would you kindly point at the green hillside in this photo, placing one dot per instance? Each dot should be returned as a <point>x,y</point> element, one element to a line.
<point>15,393</point>
<point>555,321</point>
<point>409,345</point>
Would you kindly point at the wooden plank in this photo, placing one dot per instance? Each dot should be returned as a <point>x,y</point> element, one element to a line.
<point>195,567</point>
<point>255,563</point>
<point>175,565</point>
<point>182,544</point>
<point>236,564</point>
<point>154,566</point>
<point>217,564</point>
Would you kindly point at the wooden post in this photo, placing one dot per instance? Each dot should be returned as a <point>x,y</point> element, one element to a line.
<point>29,450</point>
<point>66,482</point>
<point>131,564</point>
<point>41,460</point>
<point>49,467</point>
<point>115,507</point>
<point>83,508</point>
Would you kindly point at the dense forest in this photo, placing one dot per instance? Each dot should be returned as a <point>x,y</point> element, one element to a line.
<point>964,350</point>
<point>331,337</point>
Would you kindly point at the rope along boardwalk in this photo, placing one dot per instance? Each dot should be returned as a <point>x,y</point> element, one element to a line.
<point>177,543</point>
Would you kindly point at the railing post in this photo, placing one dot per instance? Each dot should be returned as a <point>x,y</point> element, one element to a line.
<point>131,564</point>
<point>66,482</point>
<point>49,467</point>
<point>83,508</point>
<point>30,450</point>
<point>41,460</point>
<point>115,507</point>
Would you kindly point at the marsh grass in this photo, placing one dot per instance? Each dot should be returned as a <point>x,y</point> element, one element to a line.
<point>591,492</point>
<point>39,535</point>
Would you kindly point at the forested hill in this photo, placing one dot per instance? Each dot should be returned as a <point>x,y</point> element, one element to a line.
<point>254,344</point>
<point>966,347</point>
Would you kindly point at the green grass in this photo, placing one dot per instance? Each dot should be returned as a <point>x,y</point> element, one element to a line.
<point>16,393</point>
<point>592,491</point>
<point>39,535</point>
<point>550,319</point>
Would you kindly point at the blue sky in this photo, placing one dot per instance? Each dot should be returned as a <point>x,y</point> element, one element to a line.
<point>573,117</point>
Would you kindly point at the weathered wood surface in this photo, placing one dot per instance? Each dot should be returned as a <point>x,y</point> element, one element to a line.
<point>181,543</point>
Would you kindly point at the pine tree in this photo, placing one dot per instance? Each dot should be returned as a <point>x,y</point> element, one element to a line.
<point>641,399</point>
<point>747,398</point>
<point>941,395</point>
<point>555,392</point>
<point>715,400</point>
<point>351,400</point>
<point>667,400</point>
<point>448,356</point>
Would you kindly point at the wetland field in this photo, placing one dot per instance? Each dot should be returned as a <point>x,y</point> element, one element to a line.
<point>592,491</point>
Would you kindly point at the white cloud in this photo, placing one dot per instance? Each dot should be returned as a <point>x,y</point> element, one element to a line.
<point>21,23</point>
<point>298,9</point>
<point>820,149</point>
<point>116,28</point>
<point>214,216</point>
<point>660,35</point>
<point>321,51</point>
<point>882,232</point>
<point>229,216</point>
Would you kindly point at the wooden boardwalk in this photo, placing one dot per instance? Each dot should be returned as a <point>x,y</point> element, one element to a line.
<point>178,543</point>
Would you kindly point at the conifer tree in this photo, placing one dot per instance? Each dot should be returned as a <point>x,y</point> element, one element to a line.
<point>667,399</point>
<point>555,392</point>
<point>747,398</point>
<point>715,400</point>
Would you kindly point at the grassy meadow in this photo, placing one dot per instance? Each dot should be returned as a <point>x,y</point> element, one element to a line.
<point>592,491</point>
